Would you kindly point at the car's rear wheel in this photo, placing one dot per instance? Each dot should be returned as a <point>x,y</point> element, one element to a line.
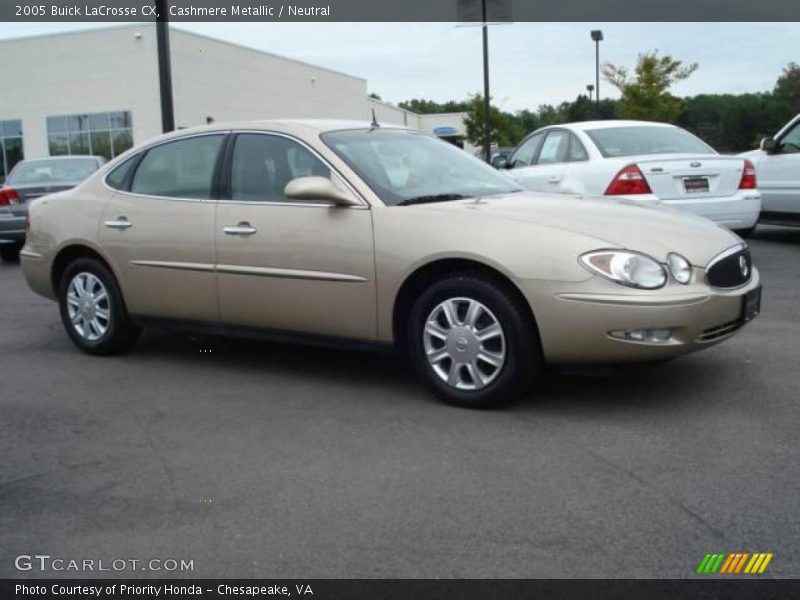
<point>473,341</point>
<point>92,309</point>
<point>10,252</point>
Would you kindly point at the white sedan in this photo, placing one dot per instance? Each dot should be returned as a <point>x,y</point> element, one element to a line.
<point>641,161</point>
<point>778,165</point>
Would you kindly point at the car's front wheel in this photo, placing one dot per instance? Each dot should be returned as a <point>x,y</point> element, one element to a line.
<point>92,309</point>
<point>473,340</point>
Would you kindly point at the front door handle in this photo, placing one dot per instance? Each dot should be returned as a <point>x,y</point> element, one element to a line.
<point>555,179</point>
<point>244,228</point>
<point>119,223</point>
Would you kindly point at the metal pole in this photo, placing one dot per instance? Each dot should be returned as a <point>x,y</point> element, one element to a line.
<point>487,126</point>
<point>597,72</point>
<point>164,69</point>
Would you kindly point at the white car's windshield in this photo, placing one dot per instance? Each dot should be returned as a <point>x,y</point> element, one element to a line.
<point>406,167</point>
<point>637,140</point>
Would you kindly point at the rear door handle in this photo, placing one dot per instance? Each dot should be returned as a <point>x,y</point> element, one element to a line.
<point>554,179</point>
<point>119,223</point>
<point>244,228</point>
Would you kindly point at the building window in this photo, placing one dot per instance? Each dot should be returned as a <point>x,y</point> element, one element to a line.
<point>105,134</point>
<point>10,146</point>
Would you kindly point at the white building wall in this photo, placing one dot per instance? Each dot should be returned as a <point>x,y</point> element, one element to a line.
<point>80,72</point>
<point>391,114</point>
<point>227,82</point>
<point>116,69</point>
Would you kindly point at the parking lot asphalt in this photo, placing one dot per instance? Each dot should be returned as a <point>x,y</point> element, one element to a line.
<point>263,460</point>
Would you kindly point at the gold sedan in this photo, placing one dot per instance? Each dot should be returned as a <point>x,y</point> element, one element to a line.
<point>377,236</point>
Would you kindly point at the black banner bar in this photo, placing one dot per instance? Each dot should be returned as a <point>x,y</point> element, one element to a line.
<point>399,11</point>
<point>404,589</point>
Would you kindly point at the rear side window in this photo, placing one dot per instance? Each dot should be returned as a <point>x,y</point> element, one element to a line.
<point>577,152</point>
<point>179,169</point>
<point>118,178</point>
<point>263,164</point>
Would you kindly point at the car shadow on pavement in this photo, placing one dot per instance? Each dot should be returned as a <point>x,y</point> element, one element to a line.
<point>781,235</point>
<point>559,389</point>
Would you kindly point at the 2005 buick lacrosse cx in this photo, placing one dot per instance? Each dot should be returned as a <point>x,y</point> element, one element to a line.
<point>357,233</point>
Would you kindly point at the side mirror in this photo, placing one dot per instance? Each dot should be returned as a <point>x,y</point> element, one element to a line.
<point>768,144</point>
<point>500,162</point>
<point>318,189</point>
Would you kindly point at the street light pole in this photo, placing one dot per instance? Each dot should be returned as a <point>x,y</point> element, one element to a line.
<point>597,36</point>
<point>164,68</point>
<point>487,126</point>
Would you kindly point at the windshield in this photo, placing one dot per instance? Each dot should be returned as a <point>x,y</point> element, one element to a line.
<point>46,171</point>
<point>405,167</point>
<point>638,140</point>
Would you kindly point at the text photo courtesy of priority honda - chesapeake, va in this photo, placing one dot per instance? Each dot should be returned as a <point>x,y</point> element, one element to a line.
<point>472,299</point>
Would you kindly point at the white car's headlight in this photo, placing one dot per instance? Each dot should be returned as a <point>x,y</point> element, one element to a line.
<point>679,267</point>
<point>626,267</point>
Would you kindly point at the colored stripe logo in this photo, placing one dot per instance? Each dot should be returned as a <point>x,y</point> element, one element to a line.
<point>734,563</point>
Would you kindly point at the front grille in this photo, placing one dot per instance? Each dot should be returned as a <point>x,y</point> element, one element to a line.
<point>733,268</point>
<point>714,333</point>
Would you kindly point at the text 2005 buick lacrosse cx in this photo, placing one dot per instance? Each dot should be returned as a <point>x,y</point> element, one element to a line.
<point>331,229</point>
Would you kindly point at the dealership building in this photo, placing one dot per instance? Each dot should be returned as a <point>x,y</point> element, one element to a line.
<point>97,91</point>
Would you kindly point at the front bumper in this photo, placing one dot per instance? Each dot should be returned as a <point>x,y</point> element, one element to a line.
<point>575,320</point>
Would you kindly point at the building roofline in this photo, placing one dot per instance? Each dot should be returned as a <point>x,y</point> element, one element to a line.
<point>265,53</point>
<point>140,24</point>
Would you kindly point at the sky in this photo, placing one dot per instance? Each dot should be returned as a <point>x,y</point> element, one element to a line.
<point>530,63</point>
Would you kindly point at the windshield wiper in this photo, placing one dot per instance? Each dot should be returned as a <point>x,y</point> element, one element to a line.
<point>432,198</point>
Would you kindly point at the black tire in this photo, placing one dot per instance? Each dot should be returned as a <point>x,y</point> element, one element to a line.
<point>745,233</point>
<point>120,334</point>
<point>10,252</point>
<point>522,348</point>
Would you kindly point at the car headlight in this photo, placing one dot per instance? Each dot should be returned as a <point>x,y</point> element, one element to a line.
<point>679,267</point>
<point>626,267</point>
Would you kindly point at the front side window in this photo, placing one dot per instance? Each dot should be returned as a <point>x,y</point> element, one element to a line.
<point>180,169</point>
<point>636,140</point>
<point>405,167</point>
<point>523,157</point>
<point>106,134</point>
<point>10,146</point>
<point>554,149</point>
<point>790,143</point>
<point>263,164</point>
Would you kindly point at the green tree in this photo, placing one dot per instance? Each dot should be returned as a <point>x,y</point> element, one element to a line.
<point>787,88</point>
<point>427,107</point>
<point>646,94</point>
<point>474,124</point>
<point>374,96</point>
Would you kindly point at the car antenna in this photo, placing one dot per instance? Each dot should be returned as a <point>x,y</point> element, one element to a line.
<point>374,123</point>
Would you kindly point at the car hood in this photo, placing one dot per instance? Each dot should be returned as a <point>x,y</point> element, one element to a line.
<point>614,223</point>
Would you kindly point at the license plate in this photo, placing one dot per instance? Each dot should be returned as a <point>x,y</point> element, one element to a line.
<point>695,185</point>
<point>751,304</point>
